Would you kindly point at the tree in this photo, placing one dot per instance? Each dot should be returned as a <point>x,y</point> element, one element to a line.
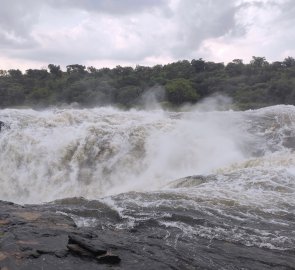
<point>276,65</point>
<point>252,85</point>
<point>37,74</point>
<point>15,73</point>
<point>258,62</point>
<point>179,69</point>
<point>122,71</point>
<point>238,61</point>
<point>3,73</point>
<point>39,94</point>
<point>55,70</point>
<point>92,69</point>
<point>235,67</point>
<point>76,69</point>
<point>211,66</point>
<point>128,95</point>
<point>15,94</point>
<point>198,65</point>
<point>179,91</point>
<point>289,62</point>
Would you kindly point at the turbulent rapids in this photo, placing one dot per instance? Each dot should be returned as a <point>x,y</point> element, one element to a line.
<point>191,179</point>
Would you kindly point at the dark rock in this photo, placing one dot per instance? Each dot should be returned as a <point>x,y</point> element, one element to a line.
<point>109,259</point>
<point>3,125</point>
<point>2,215</point>
<point>25,248</point>
<point>39,238</point>
<point>87,248</point>
<point>32,254</point>
<point>86,244</point>
<point>78,250</point>
<point>61,253</point>
<point>289,142</point>
<point>3,203</point>
<point>58,253</point>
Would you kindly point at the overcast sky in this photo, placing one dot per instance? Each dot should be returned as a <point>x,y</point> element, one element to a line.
<point>34,33</point>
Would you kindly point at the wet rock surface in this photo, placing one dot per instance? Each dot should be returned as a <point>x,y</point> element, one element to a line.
<point>40,237</point>
<point>3,126</point>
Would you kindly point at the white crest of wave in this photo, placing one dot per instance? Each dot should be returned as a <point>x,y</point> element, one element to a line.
<point>61,153</point>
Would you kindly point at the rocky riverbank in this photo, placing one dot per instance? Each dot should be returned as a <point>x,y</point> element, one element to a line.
<point>36,239</point>
<point>39,237</point>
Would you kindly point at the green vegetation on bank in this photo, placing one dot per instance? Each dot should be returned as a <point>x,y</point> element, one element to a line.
<point>256,84</point>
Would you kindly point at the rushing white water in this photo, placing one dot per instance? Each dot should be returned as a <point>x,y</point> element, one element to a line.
<point>243,190</point>
<point>58,153</point>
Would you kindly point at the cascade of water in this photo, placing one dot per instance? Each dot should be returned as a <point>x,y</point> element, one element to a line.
<point>61,153</point>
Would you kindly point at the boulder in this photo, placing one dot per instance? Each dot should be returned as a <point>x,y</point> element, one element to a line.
<point>1,125</point>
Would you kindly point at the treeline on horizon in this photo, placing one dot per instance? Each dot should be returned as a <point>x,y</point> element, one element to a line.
<point>253,85</point>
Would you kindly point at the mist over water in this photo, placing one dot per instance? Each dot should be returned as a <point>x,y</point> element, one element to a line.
<point>221,175</point>
<point>59,153</point>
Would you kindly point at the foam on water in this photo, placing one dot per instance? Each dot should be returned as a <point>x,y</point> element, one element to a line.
<point>243,190</point>
<point>96,152</point>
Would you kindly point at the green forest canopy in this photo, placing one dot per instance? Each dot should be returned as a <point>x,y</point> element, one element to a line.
<point>253,85</point>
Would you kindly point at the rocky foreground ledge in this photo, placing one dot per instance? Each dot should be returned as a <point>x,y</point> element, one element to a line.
<point>36,237</point>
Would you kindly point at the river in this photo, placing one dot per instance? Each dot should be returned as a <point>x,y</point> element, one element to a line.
<point>208,184</point>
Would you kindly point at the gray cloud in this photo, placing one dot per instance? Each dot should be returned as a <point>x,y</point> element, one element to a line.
<point>287,8</point>
<point>198,20</point>
<point>17,19</point>
<point>117,7</point>
<point>143,31</point>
